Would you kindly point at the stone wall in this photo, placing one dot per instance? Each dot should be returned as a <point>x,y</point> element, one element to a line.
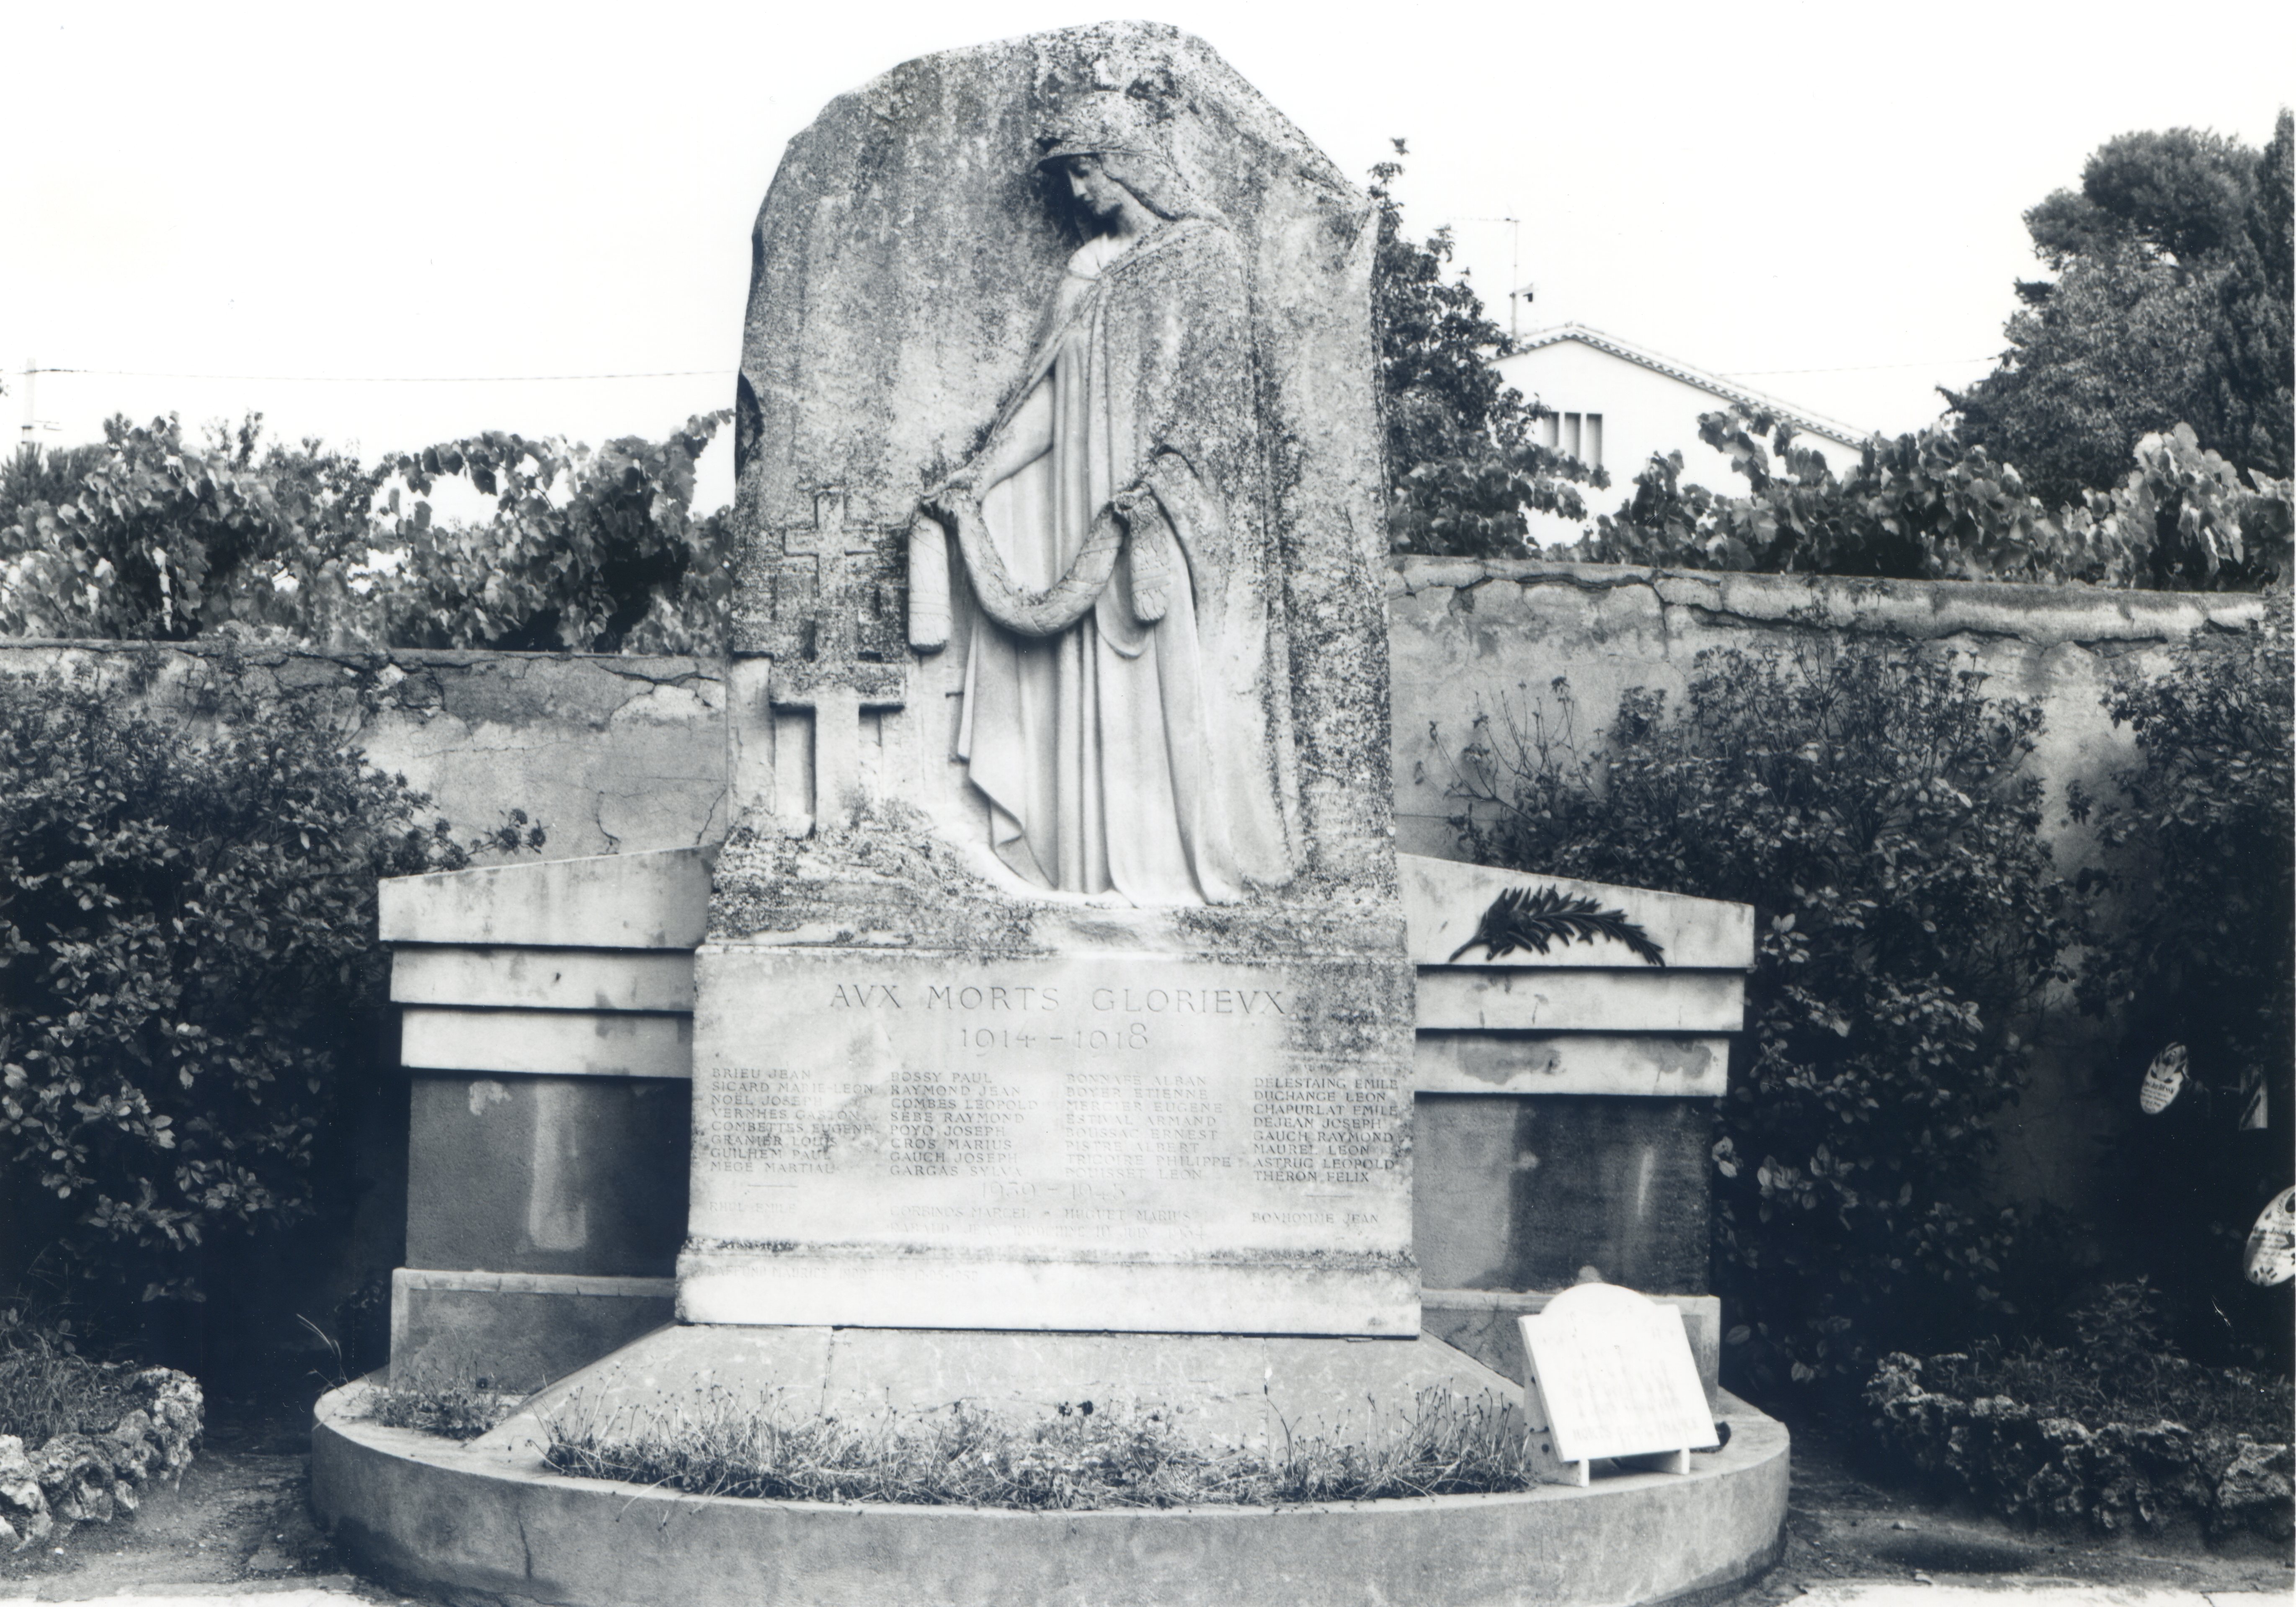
<point>1474,637</point>
<point>623,754</point>
<point>611,755</point>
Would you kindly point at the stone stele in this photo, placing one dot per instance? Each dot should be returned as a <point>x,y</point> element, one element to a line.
<point>1055,976</point>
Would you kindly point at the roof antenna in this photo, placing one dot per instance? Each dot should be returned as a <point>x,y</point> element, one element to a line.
<point>1515,297</point>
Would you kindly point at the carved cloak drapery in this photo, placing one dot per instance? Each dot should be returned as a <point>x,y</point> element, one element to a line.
<point>1124,754</point>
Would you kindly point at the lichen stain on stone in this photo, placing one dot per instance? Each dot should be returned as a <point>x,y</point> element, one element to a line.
<point>1679,1057</point>
<point>1498,1070</point>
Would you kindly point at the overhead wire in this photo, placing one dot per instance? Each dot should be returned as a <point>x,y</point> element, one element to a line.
<point>392,379</point>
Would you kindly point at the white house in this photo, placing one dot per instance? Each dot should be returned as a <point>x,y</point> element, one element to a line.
<point>1615,403</point>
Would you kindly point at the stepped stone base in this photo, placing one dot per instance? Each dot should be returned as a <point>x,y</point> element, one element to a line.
<point>484,1522</point>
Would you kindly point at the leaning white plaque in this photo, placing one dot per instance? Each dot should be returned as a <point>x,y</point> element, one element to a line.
<point>1612,1376</point>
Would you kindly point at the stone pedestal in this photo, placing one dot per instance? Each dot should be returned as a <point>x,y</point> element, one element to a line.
<point>1055,977</point>
<point>1105,1140</point>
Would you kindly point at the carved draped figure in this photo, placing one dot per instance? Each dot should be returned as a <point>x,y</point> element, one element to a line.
<point>1131,751</point>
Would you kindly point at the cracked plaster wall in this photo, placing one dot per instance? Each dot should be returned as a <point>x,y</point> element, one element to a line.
<point>620,754</point>
<point>1470,636</point>
<point>610,754</point>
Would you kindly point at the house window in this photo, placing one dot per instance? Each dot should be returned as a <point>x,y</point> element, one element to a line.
<point>1577,435</point>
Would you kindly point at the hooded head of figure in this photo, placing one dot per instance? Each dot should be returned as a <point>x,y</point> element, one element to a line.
<point>1123,134</point>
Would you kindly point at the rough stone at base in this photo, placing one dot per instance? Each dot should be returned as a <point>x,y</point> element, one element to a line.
<point>1228,1390</point>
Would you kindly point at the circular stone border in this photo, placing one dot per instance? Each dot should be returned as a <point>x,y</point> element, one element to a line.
<point>418,1508</point>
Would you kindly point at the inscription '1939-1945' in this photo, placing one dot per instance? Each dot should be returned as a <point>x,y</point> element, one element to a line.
<point>1133,1001</point>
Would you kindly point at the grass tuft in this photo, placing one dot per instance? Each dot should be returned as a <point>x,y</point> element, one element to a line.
<point>1081,1458</point>
<point>453,1405</point>
<point>49,1387</point>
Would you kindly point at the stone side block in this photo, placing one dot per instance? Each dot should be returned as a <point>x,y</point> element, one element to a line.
<point>560,1043</point>
<point>1444,900</point>
<point>1521,1063</point>
<point>1485,1325</point>
<point>544,978</point>
<point>552,1174</point>
<point>515,1332</point>
<point>1510,1192</point>
<point>652,900</point>
<point>1535,1000</point>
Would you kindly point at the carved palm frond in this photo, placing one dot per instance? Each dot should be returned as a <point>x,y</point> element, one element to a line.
<point>1537,918</point>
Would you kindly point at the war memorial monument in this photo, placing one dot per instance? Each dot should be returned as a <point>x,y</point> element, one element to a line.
<point>1055,1021</point>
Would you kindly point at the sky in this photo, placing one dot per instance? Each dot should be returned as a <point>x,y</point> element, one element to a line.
<point>390,225</point>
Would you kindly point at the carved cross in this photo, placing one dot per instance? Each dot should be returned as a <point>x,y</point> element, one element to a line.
<point>840,648</point>
<point>836,708</point>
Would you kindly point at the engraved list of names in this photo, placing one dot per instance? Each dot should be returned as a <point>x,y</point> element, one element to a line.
<point>1134,1105</point>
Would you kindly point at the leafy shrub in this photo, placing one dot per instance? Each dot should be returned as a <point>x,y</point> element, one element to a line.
<point>2180,520</point>
<point>2194,944</point>
<point>162,537</point>
<point>1931,506</point>
<point>2113,1428</point>
<point>1869,805</point>
<point>1080,1458</point>
<point>2118,1366</point>
<point>190,984</point>
<point>593,551</point>
<point>37,473</point>
<point>1918,507</point>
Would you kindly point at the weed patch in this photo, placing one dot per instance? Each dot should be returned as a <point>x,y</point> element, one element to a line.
<point>1081,1458</point>
<point>458,1408</point>
<point>49,1387</point>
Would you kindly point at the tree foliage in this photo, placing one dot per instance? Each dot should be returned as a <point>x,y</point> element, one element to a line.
<point>1928,506</point>
<point>2171,304</point>
<point>2197,947</point>
<point>163,537</point>
<point>1870,805</point>
<point>36,473</point>
<point>189,980</point>
<point>594,550</point>
<point>1461,467</point>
